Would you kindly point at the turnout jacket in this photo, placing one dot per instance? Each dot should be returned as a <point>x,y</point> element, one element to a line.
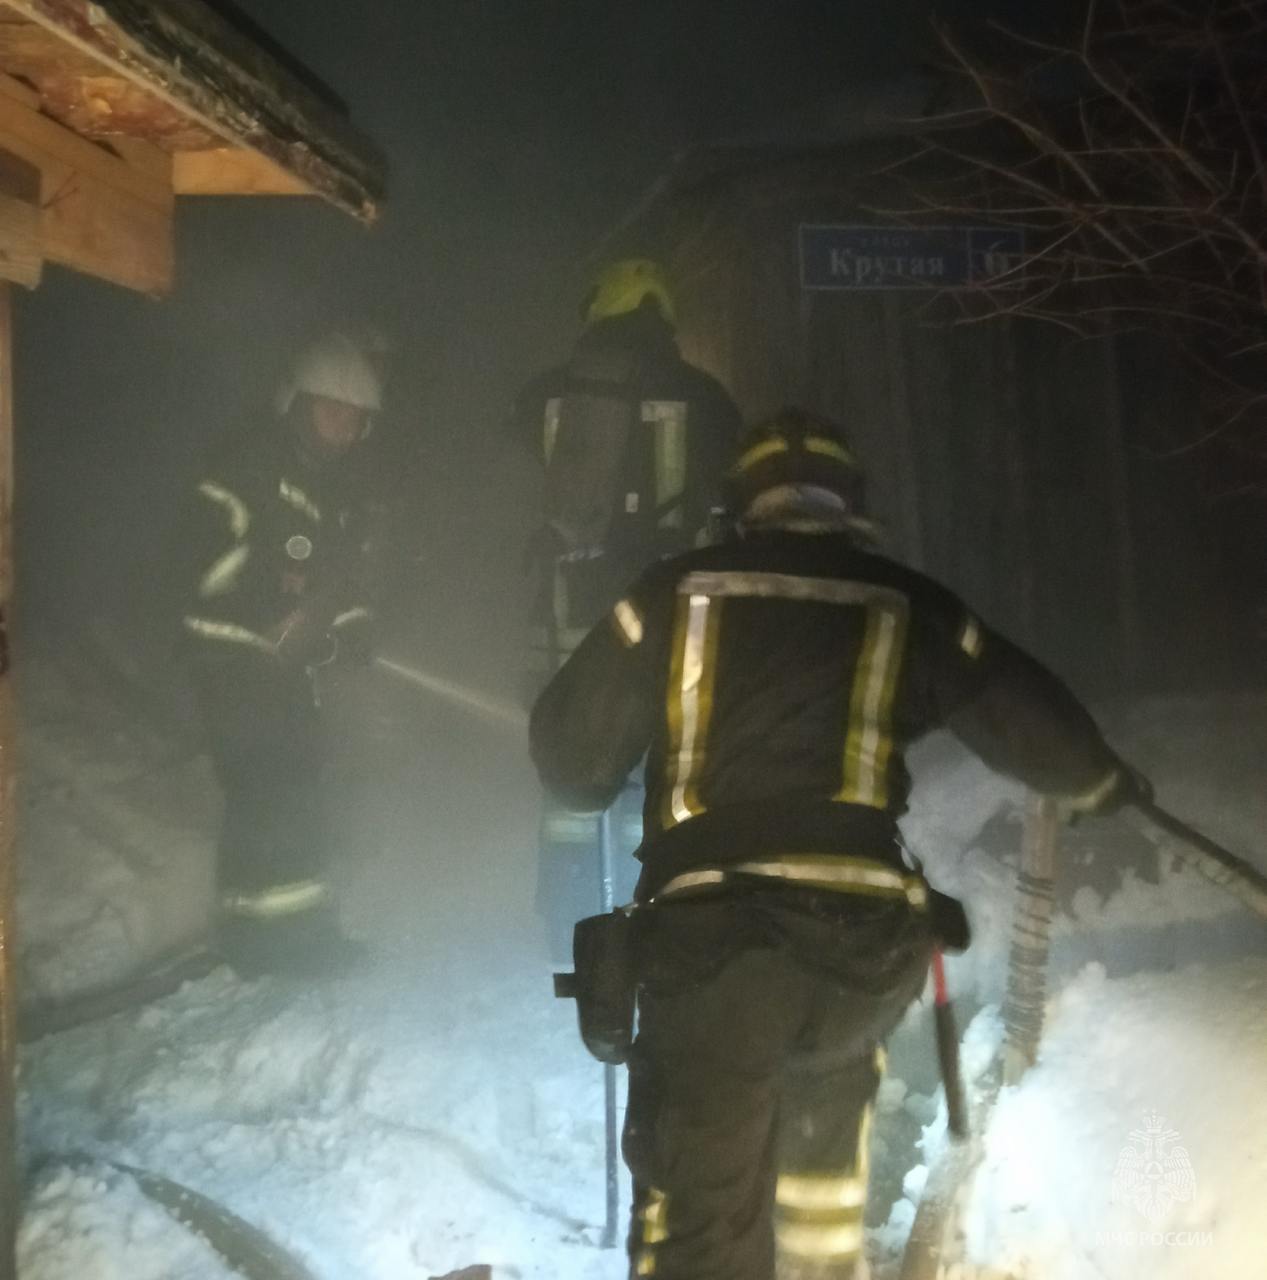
<point>773,684</point>
<point>274,545</point>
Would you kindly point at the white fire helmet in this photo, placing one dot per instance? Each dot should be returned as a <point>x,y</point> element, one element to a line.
<point>335,367</point>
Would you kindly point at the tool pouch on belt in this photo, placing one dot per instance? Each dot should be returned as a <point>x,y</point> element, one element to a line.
<point>606,984</point>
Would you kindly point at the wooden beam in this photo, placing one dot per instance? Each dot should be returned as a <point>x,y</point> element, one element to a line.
<point>101,232</point>
<point>27,130</point>
<point>232,171</point>
<point>99,213</point>
<point>224,85</point>
<point>21,258</point>
<point>144,156</point>
<point>9,1191</point>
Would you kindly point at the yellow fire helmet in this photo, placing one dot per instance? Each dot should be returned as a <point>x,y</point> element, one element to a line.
<point>622,287</point>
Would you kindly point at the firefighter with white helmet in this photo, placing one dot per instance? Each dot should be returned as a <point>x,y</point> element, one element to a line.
<point>278,552</point>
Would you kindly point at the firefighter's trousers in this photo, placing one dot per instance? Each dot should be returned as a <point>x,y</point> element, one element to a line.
<point>265,738</point>
<point>752,1079</point>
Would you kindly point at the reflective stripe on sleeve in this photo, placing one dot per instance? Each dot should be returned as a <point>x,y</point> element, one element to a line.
<point>359,614</point>
<point>295,497</point>
<point>628,623</point>
<point>228,633</point>
<point>970,637</point>
<point>235,508</point>
<point>1093,797</point>
<point>689,880</point>
<point>279,900</point>
<point>550,427</point>
<point>223,574</point>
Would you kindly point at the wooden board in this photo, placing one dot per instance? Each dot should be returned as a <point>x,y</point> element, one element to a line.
<point>99,214</point>
<point>21,258</point>
<point>177,72</point>
<point>9,1193</point>
<point>232,171</point>
<point>84,94</point>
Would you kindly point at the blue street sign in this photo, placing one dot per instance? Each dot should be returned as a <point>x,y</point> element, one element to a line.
<point>835,257</point>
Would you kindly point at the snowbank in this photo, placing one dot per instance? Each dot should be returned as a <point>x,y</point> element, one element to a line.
<point>101,1225</point>
<point>1119,903</point>
<point>117,820</point>
<point>375,1129</point>
<point>1138,1145</point>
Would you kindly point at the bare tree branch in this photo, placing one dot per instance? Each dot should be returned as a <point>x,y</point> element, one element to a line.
<point>1140,180</point>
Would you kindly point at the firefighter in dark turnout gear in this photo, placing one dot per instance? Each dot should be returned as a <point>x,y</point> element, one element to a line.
<point>280,548</point>
<point>634,442</point>
<point>775,681</point>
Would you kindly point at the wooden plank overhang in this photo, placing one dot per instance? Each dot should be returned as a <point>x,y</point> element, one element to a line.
<point>123,105</point>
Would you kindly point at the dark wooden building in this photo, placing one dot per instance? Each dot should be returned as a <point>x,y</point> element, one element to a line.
<point>1033,470</point>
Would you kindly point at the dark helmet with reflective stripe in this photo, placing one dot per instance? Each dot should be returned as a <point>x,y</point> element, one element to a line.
<point>794,449</point>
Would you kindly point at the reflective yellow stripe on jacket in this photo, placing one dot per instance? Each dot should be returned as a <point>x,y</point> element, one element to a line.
<point>228,633</point>
<point>234,508</point>
<point>869,734</point>
<point>295,497</point>
<point>868,741</point>
<point>690,703</point>
<point>277,900</point>
<point>811,871</point>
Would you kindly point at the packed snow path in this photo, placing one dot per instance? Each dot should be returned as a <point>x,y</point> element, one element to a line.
<point>385,1126</point>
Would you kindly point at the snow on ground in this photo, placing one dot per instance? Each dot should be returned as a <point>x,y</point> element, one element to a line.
<point>437,1110</point>
<point>101,1224</point>
<point>367,1125</point>
<point>120,812</point>
<point>1138,1145</point>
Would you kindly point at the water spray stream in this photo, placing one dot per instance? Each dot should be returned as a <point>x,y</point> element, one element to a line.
<point>506,714</point>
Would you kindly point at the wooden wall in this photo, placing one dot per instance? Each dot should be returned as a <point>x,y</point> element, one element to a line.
<point>1009,459</point>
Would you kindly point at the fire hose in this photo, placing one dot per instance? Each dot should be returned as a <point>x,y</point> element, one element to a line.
<point>1169,834</point>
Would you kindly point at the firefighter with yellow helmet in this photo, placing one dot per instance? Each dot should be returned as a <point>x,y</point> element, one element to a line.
<point>773,683</point>
<point>278,548</point>
<point>633,441</point>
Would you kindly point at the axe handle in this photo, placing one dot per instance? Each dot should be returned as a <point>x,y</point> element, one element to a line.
<point>948,1051</point>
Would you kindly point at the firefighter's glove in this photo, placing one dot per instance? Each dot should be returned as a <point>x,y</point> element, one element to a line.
<point>355,644</point>
<point>1124,787</point>
<point>302,641</point>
